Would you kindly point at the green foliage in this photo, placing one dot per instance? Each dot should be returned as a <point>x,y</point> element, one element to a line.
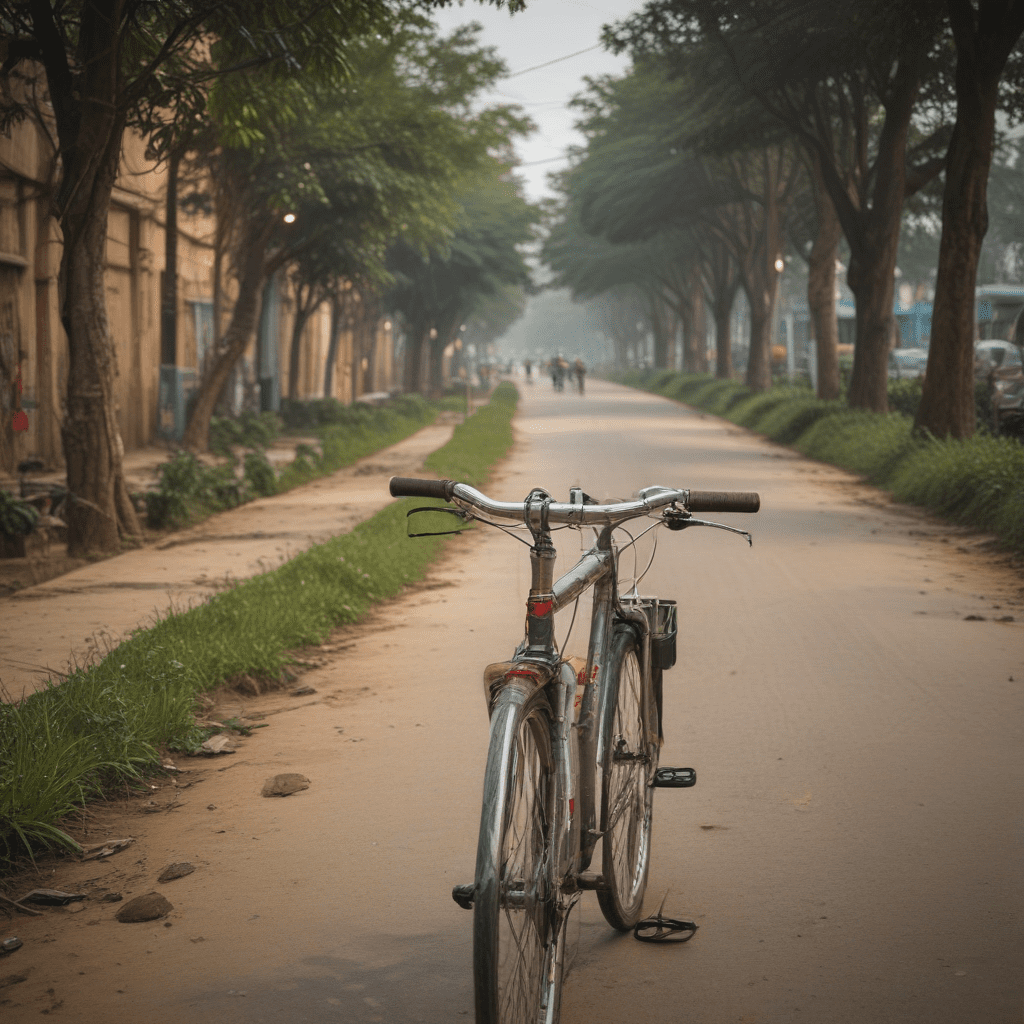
<point>188,489</point>
<point>103,726</point>
<point>905,396</point>
<point>250,430</point>
<point>259,474</point>
<point>17,518</point>
<point>787,422</point>
<point>978,481</point>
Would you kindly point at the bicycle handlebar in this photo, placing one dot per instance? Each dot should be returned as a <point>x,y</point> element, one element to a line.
<point>651,499</point>
<point>410,487</point>
<point>724,501</point>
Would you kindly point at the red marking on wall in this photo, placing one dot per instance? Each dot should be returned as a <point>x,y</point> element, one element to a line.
<point>20,416</point>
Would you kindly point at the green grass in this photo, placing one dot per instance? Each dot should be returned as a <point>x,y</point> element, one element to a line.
<point>104,725</point>
<point>978,482</point>
<point>189,491</point>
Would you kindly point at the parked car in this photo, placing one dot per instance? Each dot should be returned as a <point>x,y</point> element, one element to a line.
<point>907,363</point>
<point>992,356</point>
<point>1003,369</point>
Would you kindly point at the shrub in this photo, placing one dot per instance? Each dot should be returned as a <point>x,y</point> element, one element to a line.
<point>788,421</point>
<point>979,480</point>
<point>259,474</point>
<point>250,430</point>
<point>862,442</point>
<point>749,411</point>
<point>187,488</point>
<point>905,396</point>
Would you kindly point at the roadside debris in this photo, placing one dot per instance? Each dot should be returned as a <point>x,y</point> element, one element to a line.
<point>110,847</point>
<point>173,871</point>
<point>7,902</point>
<point>52,897</point>
<point>10,945</point>
<point>303,691</point>
<point>285,785</point>
<point>219,744</point>
<point>149,907</point>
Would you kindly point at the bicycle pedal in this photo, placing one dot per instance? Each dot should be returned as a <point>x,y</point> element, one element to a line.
<point>464,895</point>
<point>675,778</point>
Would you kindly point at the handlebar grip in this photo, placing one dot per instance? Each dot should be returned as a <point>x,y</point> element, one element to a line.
<point>410,487</point>
<point>723,501</point>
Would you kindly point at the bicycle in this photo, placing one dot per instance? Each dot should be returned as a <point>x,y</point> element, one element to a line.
<point>555,731</point>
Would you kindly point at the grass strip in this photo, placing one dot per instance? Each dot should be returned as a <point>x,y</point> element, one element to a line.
<point>189,491</point>
<point>977,482</point>
<point>103,726</point>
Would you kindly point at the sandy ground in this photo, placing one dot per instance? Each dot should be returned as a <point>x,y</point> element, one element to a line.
<point>66,620</point>
<point>852,851</point>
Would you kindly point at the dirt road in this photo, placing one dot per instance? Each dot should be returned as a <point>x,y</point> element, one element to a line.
<point>852,851</point>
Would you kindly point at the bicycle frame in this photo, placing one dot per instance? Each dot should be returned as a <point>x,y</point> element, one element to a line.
<point>539,657</point>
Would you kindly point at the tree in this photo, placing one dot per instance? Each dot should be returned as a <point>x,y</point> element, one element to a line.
<point>110,64</point>
<point>985,34</point>
<point>642,176</point>
<point>355,168</point>
<point>436,289</point>
<point>847,89</point>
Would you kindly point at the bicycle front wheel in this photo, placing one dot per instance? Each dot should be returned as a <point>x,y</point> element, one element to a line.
<point>516,957</point>
<point>630,731</point>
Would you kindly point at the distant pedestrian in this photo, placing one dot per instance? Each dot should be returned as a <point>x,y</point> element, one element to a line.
<point>581,371</point>
<point>528,367</point>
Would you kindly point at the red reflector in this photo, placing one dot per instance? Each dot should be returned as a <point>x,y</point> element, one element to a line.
<point>572,806</point>
<point>539,608</point>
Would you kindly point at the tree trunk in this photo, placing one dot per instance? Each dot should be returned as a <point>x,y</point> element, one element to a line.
<point>873,286</point>
<point>821,288</point>
<point>332,346</point>
<point>947,400</point>
<point>761,296</point>
<point>230,348</point>
<point>90,127</point>
<point>169,293</point>
<point>695,344</point>
<point>722,303</point>
<point>659,330</point>
<point>306,304</point>
<point>873,231</point>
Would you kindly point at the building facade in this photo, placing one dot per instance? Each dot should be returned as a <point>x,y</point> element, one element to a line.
<point>151,397</point>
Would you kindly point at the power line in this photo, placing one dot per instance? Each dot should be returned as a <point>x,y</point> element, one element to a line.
<point>557,60</point>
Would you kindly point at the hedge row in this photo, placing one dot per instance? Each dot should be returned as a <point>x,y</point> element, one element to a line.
<point>978,482</point>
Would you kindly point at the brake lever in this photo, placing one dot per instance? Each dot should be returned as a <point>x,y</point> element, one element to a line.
<point>680,519</point>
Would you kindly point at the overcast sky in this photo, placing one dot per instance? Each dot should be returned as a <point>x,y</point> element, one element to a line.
<point>545,31</point>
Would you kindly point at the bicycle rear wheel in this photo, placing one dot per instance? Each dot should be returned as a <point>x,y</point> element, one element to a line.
<point>630,731</point>
<point>517,963</point>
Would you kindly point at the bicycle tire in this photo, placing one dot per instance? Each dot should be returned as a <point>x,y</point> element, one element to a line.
<point>630,732</point>
<point>517,962</point>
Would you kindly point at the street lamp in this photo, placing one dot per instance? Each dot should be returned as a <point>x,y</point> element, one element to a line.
<point>780,265</point>
<point>289,218</point>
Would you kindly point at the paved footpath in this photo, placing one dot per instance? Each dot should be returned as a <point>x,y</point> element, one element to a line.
<point>46,628</point>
